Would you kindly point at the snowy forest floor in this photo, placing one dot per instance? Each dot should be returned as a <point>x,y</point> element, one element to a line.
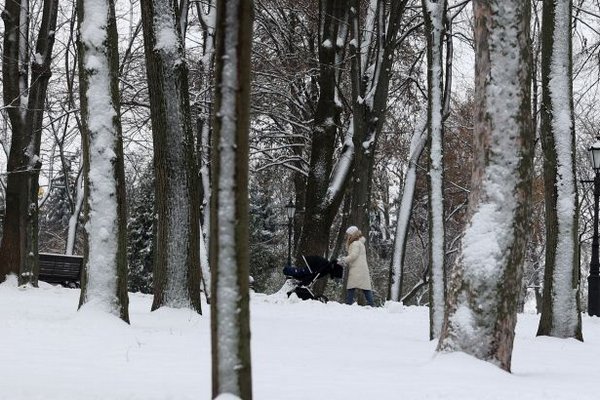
<point>300,350</point>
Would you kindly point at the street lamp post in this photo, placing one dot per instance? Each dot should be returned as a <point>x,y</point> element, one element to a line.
<point>594,277</point>
<point>290,209</point>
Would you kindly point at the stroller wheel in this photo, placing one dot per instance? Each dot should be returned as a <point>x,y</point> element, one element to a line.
<point>323,299</point>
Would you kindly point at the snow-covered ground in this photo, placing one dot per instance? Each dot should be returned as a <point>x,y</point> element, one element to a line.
<point>300,350</point>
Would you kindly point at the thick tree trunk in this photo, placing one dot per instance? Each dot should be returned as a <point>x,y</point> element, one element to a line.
<point>560,307</point>
<point>322,201</point>
<point>104,278</point>
<point>229,253</point>
<point>435,21</point>
<point>25,103</point>
<point>177,273</point>
<point>482,302</point>
<point>371,73</point>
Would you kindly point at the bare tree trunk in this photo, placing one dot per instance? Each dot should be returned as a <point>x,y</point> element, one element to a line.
<point>207,14</point>
<point>75,214</point>
<point>104,278</point>
<point>229,253</point>
<point>560,307</point>
<point>417,145</point>
<point>323,198</point>
<point>25,101</point>
<point>177,273</point>
<point>435,21</point>
<point>371,71</point>
<point>482,301</point>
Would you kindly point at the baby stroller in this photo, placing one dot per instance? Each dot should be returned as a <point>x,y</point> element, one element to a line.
<point>304,278</point>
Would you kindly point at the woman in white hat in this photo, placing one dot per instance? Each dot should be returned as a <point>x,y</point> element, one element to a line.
<point>358,270</point>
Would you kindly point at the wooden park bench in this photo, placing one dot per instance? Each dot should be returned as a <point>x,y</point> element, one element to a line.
<point>60,268</point>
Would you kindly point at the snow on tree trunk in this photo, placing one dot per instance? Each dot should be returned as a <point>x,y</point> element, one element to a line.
<point>229,252</point>
<point>104,280</point>
<point>435,12</point>
<point>482,301</point>
<point>371,72</point>
<point>417,144</point>
<point>204,262</point>
<point>25,101</point>
<point>560,308</point>
<point>207,15</point>
<point>177,273</point>
<point>325,183</point>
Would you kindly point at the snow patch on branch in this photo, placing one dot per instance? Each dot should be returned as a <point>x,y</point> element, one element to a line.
<point>166,32</point>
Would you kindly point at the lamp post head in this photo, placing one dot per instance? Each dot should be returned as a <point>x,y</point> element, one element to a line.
<point>594,150</point>
<point>290,208</point>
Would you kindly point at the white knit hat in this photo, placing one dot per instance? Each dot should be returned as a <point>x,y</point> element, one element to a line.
<point>351,230</point>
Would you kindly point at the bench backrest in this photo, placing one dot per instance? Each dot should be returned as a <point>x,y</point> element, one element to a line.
<point>59,268</point>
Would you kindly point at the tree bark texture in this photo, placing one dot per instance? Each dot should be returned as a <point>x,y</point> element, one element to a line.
<point>417,146</point>
<point>321,203</point>
<point>435,21</point>
<point>98,285</point>
<point>177,273</point>
<point>482,301</point>
<point>25,104</point>
<point>560,305</point>
<point>371,73</point>
<point>207,16</point>
<point>229,252</point>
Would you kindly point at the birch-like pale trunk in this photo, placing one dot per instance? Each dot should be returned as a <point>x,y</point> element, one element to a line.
<point>177,272</point>
<point>560,306</point>
<point>104,277</point>
<point>74,218</point>
<point>486,279</point>
<point>229,253</point>
<point>435,15</point>
<point>417,144</point>
<point>207,13</point>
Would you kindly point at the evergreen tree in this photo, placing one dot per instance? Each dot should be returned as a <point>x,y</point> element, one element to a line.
<point>265,256</point>
<point>141,233</point>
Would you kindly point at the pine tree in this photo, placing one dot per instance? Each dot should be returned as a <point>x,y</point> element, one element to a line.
<point>141,231</point>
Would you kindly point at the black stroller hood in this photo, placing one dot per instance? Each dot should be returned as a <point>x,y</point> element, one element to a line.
<point>314,267</point>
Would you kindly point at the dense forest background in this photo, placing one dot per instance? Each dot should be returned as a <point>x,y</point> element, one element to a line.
<point>285,103</point>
